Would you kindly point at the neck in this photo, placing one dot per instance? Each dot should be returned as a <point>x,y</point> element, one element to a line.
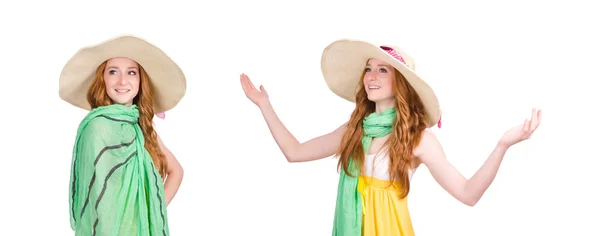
<point>128,104</point>
<point>381,106</point>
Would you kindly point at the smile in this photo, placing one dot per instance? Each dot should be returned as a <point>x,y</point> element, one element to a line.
<point>374,87</point>
<point>122,90</point>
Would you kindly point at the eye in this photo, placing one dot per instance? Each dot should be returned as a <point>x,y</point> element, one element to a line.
<point>383,70</point>
<point>367,69</point>
<point>132,73</point>
<point>112,72</point>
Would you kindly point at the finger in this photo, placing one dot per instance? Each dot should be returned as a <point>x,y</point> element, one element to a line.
<point>534,120</point>
<point>526,125</point>
<point>262,89</point>
<point>244,82</point>
<point>537,124</point>
<point>250,83</point>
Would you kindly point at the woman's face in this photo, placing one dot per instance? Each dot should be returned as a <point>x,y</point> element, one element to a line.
<point>122,80</point>
<point>378,80</point>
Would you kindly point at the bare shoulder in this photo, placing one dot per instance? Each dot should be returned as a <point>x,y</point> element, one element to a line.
<point>337,134</point>
<point>428,139</point>
<point>99,128</point>
<point>429,147</point>
<point>342,129</point>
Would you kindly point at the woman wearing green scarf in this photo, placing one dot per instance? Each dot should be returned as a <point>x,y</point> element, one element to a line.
<point>384,141</point>
<point>119,163</point>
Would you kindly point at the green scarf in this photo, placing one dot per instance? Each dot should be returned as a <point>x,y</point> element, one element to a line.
<point>348,209</point>
<point>115,188</point>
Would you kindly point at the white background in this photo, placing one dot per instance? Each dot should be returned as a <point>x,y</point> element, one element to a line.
<point>489,63</point>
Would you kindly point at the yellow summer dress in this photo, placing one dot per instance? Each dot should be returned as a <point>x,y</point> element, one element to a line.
<point>384,213</point>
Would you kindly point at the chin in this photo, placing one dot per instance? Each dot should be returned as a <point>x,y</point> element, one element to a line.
<point>374,98</point>
<point>378,98</point>
<point>121,101</point>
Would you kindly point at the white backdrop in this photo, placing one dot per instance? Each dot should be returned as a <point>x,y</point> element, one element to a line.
<point>489,63</point>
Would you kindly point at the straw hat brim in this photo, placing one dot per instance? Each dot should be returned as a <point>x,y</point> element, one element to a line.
<point>343,62</point>
<point>167,81</point>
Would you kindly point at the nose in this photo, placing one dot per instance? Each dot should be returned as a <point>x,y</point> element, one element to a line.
<point>122,80</point>
<point>371,76</point>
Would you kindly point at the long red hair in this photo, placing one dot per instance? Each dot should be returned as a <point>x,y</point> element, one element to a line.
<point>406,132</point>
<point>97,96</point>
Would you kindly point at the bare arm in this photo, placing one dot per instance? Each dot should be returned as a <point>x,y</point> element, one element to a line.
<point>294,151</point>
<point>470,191</point>
<point>174,173</point>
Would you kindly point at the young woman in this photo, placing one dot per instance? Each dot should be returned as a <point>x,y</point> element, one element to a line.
<point>122,175</point>
<point>384,141</point>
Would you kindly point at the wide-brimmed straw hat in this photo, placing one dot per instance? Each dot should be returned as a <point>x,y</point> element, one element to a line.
<point>167,81</point>
<point>343,62</point>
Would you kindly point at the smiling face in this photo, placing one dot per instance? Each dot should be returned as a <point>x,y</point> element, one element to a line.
<point>122,80</point>
<point>379,81</point>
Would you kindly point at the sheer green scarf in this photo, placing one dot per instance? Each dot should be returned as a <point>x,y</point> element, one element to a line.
<point>348,209</point>
<point>115,188</point>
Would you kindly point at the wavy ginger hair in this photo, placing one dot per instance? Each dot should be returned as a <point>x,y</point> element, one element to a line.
<point>97,97</point>
<point>406,132</point>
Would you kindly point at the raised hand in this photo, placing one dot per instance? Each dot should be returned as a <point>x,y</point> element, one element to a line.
<point>522,132</point>
<point>257,97</point>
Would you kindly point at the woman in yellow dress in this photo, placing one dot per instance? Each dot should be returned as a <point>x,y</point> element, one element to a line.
<point>386,138</point>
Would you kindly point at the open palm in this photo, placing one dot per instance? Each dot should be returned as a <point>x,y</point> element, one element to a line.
<point>257,97</point>
<point>523,131</point>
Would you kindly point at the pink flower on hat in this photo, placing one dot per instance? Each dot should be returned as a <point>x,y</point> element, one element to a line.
<point>393,53</point>
<point>396,55</point>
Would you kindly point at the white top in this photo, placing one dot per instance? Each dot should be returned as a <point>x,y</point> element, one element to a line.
<point>377,165</point>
